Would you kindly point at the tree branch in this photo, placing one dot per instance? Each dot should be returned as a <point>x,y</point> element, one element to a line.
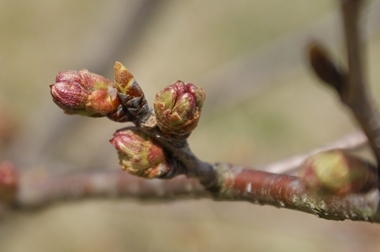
<point>234,183</point>
<point>355,91</point>
<point>290,192</point>
<point>35,194</point>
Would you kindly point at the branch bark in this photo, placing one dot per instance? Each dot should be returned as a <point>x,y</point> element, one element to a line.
<point>37,194</point>
<point>234,183</point>
<point>285,191</point>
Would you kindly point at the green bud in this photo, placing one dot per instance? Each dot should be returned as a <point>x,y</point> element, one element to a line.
<point>338,173</point>
<point>178,108</point>
<point>84,93</point>
<point>140,155</point>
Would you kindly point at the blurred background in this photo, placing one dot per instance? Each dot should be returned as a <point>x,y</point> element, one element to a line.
<point>263,105</point>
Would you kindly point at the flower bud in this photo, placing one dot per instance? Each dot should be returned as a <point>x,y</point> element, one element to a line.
<point>178,108</point>
<point>84,93</point>
<point>338,173</point>
<point>140,155</point>
<point>8,182</point>
<point>130,93</point>
<point>324,67</point>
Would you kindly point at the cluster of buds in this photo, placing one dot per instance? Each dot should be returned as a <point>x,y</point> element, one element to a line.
<point>178,108</point>
<point>139,154</point>
<point>335,172</point>
<point>84,93</point>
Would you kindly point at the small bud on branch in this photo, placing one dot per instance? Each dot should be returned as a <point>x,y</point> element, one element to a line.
<point>325,68</point>
<point>84,93</point>
<point>130,93</point>
<point>140,155</point>
<point>178,109</point>
<point>338,173</point>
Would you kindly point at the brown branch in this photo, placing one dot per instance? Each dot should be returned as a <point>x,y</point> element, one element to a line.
<point>355,91</point>
<point>235,184</point>
<point>106,184</point>
<point>290,192</point>
<point>194,167</point>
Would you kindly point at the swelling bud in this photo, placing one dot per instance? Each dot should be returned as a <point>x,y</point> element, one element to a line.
<point>335,172</point>
<point>130,93</point>
<point>140,155</point>
<point>178,109</point>
<point>84,93</point>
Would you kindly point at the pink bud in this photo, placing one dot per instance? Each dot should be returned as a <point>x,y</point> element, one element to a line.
<point>84,93</point>
<point>178,108</point>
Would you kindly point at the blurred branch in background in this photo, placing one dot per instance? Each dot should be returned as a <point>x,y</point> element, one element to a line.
<point>291,165</point>
<point>36,194</point>
<point>252,72</point>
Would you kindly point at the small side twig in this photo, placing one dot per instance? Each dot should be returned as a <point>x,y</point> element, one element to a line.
<point>351,83</point>
<point>355,91</point>
<point>289,166</point>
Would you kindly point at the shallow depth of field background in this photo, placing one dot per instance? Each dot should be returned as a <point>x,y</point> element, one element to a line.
<point>263,104</point>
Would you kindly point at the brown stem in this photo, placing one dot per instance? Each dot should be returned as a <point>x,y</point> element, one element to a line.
<point>285,191</point>
<point>195,168</point>
<point>355,91</point>
<point>235,183</point>
<point>105,184</point>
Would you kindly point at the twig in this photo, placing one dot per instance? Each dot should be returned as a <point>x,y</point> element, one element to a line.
<point>106,184</point>
<point>235,183</point>
<point>195,167</point>
<point>291,165</point>
<point>355,91</point>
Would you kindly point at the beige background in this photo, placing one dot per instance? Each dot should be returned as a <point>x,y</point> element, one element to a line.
<point>263,104</point>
